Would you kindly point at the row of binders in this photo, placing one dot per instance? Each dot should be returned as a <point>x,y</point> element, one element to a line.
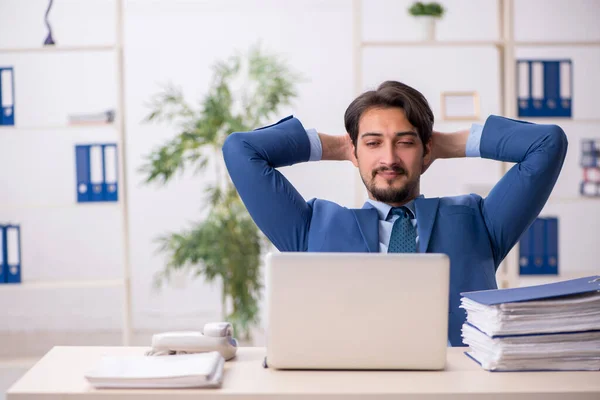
<point>538,248</point>
<point>10,254</point>
<point>546,327</point>
<point>97,173</point>
<point>544,88</point>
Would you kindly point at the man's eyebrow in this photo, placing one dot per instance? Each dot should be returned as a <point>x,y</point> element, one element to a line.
<point>407,133</point>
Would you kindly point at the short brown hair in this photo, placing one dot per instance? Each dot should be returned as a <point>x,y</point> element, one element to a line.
<point>391,94</point>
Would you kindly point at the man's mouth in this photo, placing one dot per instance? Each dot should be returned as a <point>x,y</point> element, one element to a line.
<point>390,173</point>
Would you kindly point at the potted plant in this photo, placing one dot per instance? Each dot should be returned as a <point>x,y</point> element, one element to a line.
<point>247,91</point>
<point>427,14</point>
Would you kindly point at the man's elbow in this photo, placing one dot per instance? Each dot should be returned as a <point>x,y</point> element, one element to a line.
<point>231,147</point>
<point>559,140</point>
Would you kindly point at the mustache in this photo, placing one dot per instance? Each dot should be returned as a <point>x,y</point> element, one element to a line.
<point>395,168</point>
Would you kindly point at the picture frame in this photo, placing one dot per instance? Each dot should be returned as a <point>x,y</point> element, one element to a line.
<point>460,106</point>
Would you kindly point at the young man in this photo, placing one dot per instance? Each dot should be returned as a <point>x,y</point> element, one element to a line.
<point>391,142</point>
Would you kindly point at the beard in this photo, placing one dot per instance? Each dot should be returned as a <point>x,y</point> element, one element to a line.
<point>390,194</point>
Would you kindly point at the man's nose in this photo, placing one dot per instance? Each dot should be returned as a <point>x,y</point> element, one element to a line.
<point>388,156</point>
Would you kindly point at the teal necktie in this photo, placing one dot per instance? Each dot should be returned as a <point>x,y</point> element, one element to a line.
<point>404,236</point>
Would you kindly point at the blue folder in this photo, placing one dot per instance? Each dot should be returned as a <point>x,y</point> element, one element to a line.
<point>3,264</point>
<point>82,160</point>
<point>10,255</point>
<point>7,96</point>
<point>551,247</point>
<point>537,254</point>
<point>525,253</point>
<point>540,292</point>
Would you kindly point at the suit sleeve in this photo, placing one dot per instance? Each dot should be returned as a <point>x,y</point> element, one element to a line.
<point>275,205</point>
<point>517,199</point>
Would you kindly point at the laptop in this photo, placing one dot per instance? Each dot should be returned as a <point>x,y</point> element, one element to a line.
<point>357,311</point>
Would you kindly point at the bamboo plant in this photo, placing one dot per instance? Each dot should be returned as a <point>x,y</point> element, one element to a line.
<point>247,91</point>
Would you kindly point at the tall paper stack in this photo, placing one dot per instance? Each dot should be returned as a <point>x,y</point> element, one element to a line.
<point>545,327</point>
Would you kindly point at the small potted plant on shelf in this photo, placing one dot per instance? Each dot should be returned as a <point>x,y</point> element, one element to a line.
<point>427,14</point>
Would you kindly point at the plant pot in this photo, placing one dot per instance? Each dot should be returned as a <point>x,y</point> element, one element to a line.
<point>426,27</point>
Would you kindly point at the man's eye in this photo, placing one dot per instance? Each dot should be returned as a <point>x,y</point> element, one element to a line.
<point>407,143</point>
<point>371,144</point>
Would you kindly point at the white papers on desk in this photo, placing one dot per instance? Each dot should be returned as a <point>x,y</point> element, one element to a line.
<point>555,351</point>
<point>177,371</point>
<point>545,327</point>
<point>563,314</point>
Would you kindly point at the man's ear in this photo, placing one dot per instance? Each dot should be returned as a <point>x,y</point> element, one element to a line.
<point>427,157</point>
<point>353,158</point>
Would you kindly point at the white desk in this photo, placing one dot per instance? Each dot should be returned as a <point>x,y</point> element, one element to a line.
<point>59,375</point>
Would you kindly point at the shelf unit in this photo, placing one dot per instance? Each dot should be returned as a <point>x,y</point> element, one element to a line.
<point>119,125</point>
<point>59,49</point>
<point>508,272</point>
<point>35,285</point>
<point>20,128</point>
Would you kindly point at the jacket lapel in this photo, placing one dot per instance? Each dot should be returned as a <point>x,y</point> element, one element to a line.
<point>368,223</point>
<point>426,214</point>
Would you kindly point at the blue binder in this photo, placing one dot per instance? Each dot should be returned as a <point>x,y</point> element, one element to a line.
<point>537,255</point>
<point>82,159</point>
<point>551,247</point>
<point>525,253</point>
<point>538,248</point>
<point>3,266</point>
<point>96,157</point>
<point>97,177</point>
<point>7,96</point>
<point>110,188</point>
<point>556,95</point>
<point>540,292</point>
<point>11,253</point>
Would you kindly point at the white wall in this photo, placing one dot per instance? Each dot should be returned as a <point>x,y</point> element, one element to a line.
<point>178,41</point>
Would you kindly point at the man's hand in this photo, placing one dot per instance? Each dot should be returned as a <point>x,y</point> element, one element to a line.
<point>338,148</point>
<point>446,145</point>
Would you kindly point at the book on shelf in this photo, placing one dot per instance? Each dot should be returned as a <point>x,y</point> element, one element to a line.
<point>99,118</point>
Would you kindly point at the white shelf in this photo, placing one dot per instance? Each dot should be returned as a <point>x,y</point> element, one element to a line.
<point>59,49</point>
<point>54,127</point>
<point>574,199</point>
<point>557,44</point>
<point>532,280</point>
<point>467,43</point>
<point>59,205</point>
<point>95,283</point>
<point>558,120</point>
<point>430,43</point>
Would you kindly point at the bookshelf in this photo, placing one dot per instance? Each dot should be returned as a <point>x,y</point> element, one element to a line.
<point>506,46</point>
<point>58,49</point>
<point>123,284</point>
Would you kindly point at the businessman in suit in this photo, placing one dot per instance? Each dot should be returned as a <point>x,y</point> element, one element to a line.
<point>392,143</point>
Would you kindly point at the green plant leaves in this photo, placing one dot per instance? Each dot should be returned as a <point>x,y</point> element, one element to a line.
<point>430,9</point>
<point>227,244</point>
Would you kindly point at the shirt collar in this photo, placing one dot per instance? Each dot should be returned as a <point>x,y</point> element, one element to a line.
<point>383,209</point>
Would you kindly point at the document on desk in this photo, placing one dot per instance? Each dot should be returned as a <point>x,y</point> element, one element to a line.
<point>545,327</point>
<point>176,371</point>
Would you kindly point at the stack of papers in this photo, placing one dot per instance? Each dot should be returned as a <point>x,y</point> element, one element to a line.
<point>177,371</point>
<point>545,327</point>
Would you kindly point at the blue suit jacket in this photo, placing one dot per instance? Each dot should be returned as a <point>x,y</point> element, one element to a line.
<point>475,233</point>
